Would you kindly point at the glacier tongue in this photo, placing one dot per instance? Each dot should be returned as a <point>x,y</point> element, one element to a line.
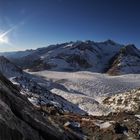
<point>87,89</point>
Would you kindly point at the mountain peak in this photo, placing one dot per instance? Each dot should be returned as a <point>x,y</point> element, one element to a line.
<point>130,47</point>
<point>130,50</point>
<point>111,42</point>
<point>126,61</point>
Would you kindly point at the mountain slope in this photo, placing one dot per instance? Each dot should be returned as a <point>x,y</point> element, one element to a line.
<point>126,61</point>
<point>19,119</point>
<point>8,68</point>
<point>16,54</point>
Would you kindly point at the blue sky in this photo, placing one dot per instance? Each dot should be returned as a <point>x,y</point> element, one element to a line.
<point>26,24</point>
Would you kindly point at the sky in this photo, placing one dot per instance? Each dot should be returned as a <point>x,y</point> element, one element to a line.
<point>26,24</point>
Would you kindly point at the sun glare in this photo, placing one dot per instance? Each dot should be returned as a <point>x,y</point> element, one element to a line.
<point>4,39</point>
<point>4,36</point>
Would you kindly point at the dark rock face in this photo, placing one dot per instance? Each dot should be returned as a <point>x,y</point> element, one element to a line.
<point>120,129</point>
<point>130,50</point>
<point>73,60</point>
<point>8,133</point>
<point>19,120</point>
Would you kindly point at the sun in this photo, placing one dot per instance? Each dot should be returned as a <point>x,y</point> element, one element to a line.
<point>4,39</point>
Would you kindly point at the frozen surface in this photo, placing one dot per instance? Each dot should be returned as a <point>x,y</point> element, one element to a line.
<point>92,84</point>
<point>87,89</point>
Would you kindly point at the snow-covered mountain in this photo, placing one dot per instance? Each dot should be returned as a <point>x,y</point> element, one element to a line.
<point>72,56</point>
<point>17,54</point>
<point>126,61</point>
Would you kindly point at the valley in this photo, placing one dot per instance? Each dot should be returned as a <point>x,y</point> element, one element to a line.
<point>70,85</point>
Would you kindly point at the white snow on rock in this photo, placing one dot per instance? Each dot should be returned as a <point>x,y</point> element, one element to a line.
<point>138,116</point>
<point>103,125</point>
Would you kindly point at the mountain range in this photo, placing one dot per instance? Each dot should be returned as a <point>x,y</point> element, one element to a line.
<point>102,57</point>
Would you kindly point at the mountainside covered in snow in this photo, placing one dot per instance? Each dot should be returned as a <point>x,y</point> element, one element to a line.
<point>126,61</point>
<point>16,54</point>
